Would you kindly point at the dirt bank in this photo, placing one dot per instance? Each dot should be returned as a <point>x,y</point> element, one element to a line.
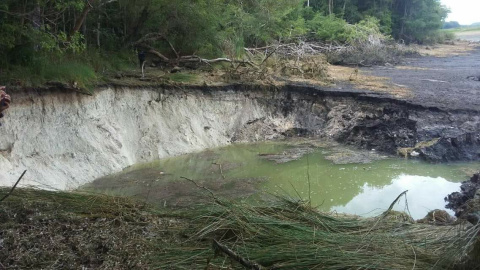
<point>66,139</point>
<point>466,203</point>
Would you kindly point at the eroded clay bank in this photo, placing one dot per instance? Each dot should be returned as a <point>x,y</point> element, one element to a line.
<point>66,139</point>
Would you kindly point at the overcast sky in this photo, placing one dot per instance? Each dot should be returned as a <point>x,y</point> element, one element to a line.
<point>463,11</point>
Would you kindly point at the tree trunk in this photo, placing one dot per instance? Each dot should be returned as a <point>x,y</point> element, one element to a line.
<point>84,31</point>
<point>138,23</point>
<point>98,31</point>
<point>79,22</point>
<point>402,29</point>
<point>37,22</point>
<point>37,17</point>
<point>24,8</point>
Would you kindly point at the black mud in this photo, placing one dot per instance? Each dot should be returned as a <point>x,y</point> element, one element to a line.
<point>466,203</point>
<point>443,107</point>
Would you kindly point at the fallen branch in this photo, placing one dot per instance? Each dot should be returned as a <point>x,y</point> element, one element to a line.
<point>220,166</point>
<point>393,203</point>
<point>173,48</point>
<point>204,188</point>
<point>385,214</point>
<point>13,188</point>
<point>194,58</point>
<point>268,56</point>
<point>156,53</point>
<point>230,253</point>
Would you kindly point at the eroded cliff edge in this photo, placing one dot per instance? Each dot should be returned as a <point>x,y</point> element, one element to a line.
<point>67,139</point>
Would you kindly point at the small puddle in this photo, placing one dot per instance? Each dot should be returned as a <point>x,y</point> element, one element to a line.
<point>287,169</point>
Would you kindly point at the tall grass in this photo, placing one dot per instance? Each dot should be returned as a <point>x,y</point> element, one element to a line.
<point>292,235</point>
<point>64,230</point>
<point>84,69</point>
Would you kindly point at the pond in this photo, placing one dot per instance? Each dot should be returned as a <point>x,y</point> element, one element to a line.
<point>323,174</point>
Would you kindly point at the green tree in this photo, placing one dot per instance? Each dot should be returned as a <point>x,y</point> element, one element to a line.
<point>417,20</point>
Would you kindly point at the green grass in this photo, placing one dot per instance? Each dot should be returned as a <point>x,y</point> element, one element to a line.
<point>45,71</point>
<point>44,229</point>
<point>183,77</point>
<point>462,29</point>
<point>84,70</point>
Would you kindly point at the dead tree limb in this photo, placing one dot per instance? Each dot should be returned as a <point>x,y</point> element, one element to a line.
<point>221,170</point>
<point>268,56</point>
<point>14,186</point>
<point>156,53</point>
<point>173,48</point>
<point>393,203</point>
<point>230,253</point>
<point>194,58</point>
<point>148,37</point>
<point>204,188</point>
<point>154,37</point>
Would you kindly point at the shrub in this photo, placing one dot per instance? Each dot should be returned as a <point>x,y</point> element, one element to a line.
<point>328,28</point>
<point>366,31</point>
<point>366,45</point>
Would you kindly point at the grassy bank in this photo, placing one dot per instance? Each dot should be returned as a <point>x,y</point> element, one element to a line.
<point>42,229</point>
<point>462,29</point>
<point>83,71</point>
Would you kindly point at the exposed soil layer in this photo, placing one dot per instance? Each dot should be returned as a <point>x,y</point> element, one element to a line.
<point>466,202</point>
<point>66,139</point>
<point>374,121</point>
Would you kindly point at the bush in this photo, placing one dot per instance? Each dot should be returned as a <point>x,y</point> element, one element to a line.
<point>366,45</point>
<point>328,28</point>
<point>366,31</point>
<point>331,28</point>
<point>439,37</point>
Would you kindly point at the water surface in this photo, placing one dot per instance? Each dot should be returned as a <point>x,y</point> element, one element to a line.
<point>241,170</point>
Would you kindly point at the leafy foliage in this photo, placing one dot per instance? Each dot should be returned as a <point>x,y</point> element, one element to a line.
<point>34,30</point>
<point>451,24</point>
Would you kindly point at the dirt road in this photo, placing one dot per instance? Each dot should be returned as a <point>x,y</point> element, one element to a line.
<point>444,82</point>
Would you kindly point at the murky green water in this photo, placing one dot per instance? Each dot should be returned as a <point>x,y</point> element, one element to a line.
<point>238,170</point>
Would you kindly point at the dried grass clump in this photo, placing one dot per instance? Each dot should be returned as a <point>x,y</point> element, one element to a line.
<point>290,61</point>
<point>370,53</point>
<point>407,151</point>
<point>59,230</point>
<point>363,80</point>
<point>446,50</point>
<point>292,235</point>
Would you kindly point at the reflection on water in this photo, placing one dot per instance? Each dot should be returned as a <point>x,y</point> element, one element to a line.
<point>424,194</point>
<point>244,169</point>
